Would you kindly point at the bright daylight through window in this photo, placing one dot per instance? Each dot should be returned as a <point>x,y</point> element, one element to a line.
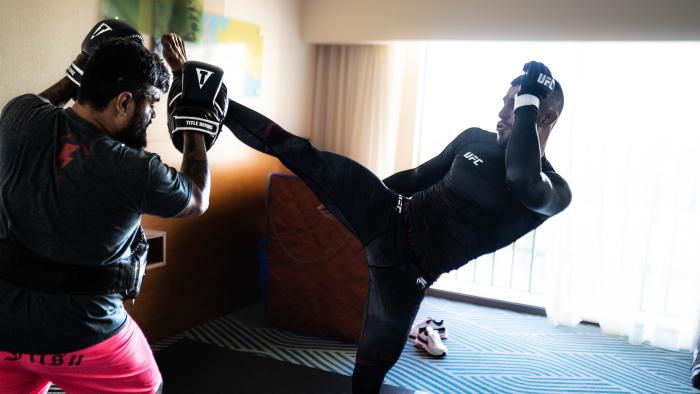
<point>627,142</point>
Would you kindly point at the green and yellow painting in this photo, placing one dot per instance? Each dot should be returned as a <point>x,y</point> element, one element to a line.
<point>233,45</point>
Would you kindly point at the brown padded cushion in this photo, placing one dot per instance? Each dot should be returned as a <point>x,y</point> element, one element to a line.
<point>317,270</point>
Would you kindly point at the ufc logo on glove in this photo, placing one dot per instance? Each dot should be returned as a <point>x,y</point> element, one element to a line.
<point>546,81</point>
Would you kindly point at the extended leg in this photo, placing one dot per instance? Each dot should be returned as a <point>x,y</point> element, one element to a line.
<point>350,191</point>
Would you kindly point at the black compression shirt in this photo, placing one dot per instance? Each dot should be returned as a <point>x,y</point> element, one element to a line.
<point>461,207</point>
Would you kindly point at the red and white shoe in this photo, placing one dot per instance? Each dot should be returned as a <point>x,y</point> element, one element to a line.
<point>437,325</point>
<point>429,340</point>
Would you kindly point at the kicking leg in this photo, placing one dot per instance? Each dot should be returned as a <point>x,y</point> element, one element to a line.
<point>350,191</point>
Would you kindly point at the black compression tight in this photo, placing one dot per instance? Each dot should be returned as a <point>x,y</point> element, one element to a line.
<point>368,209</point>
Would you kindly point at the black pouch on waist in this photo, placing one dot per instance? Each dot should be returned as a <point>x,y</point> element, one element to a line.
<point>124,276</point>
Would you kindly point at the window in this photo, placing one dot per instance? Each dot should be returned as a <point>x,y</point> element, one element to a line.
<point>628,144</point>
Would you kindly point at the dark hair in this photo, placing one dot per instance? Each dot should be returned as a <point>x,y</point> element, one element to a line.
<point>555,101</point>
<point>120,65</point>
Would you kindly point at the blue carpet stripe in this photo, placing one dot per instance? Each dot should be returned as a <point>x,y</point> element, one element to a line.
<point>556,385</point>
<point>626,375</point>
<point>599,364</point>
<point>337,362</point>
<point>235,334</point>
<point>307,358</point>
<point>493,365</point>
<point>430,378</point>
<point>215,335</point>
<point>239,332</point>
<point>164,343</point>
<point>230,334</point>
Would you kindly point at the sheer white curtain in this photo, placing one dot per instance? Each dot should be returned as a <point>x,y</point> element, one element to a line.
<point>626,253</point>
<point>357,100</point>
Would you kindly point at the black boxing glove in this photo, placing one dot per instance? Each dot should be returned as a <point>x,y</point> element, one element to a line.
<point>101,32</point>
<point>197,102</point>
<point>535,85</point>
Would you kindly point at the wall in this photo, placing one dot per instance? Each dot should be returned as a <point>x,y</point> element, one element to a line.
<point>342,21</point>
<point>211,260</point>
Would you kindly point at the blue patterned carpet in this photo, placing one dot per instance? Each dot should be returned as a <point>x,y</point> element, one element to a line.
<point>490,351</point>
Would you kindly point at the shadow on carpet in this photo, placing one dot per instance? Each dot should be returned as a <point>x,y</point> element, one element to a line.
<point>194,367</point>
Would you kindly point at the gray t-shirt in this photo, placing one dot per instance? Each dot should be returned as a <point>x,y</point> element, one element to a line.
<point>72,194</point>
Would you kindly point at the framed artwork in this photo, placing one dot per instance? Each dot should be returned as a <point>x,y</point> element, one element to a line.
<point>233,45</point>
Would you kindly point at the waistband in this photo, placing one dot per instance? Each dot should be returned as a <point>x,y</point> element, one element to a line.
<point>19,265</point>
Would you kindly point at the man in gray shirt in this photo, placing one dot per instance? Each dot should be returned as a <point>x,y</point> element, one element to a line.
<point>73,186</point>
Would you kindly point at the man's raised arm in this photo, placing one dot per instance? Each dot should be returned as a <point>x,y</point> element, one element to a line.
<point>543,192</point>
<point>197,105</point>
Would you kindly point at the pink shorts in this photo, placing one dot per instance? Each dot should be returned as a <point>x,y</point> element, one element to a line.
<point>123,363</point>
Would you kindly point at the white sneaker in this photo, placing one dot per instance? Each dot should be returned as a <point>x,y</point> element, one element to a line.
<point>437,325</point>
<point>429,340</point>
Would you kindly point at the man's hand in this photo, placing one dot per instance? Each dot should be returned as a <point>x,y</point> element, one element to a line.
<point>101,32</point>
<point>67,88</point>
<point>174,51</point>
<point>197,102</point>
<point>537,81</point>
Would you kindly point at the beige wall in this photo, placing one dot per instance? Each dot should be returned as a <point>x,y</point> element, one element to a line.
<point>38,39</point>
<point>211,260</point>
<point>343,21</point>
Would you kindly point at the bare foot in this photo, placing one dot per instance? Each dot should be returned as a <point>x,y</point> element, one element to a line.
<point>174,51</point>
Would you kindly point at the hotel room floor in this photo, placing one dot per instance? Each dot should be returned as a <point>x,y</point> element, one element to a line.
<point>490,351</point>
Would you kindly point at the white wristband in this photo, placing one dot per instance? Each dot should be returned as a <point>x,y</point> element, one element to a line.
<point>526,99</point>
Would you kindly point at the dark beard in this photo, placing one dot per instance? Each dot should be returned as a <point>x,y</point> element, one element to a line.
<point>134,135</point>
